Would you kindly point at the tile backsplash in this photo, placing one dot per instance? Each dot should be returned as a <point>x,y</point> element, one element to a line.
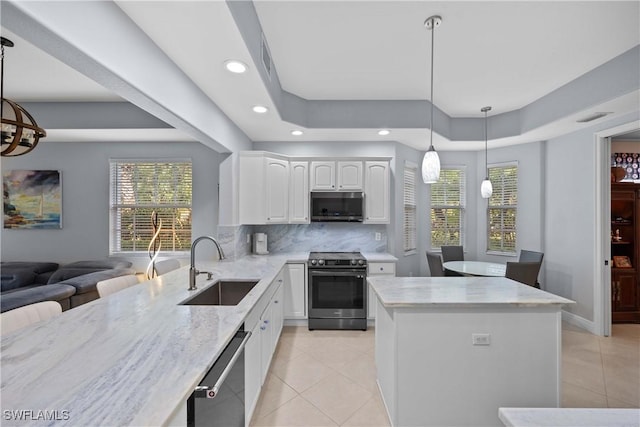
<point>233,239</point>
<point>339,237</point>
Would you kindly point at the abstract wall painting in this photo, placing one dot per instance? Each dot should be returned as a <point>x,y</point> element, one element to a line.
<point>32,199</point>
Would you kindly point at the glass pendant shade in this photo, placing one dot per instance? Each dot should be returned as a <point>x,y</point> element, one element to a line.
<point>430,166</point>
<point>486,189</point>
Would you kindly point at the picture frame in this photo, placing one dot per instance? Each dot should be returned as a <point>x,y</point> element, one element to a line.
<point>32,199</point>
<point>622,262</point>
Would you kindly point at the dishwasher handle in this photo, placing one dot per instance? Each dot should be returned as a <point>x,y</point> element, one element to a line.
<point>204,391</point>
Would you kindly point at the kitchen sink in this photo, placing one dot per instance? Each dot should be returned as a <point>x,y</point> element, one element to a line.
<point>223,292</point>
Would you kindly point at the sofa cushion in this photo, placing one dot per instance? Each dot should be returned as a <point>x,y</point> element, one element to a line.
<point>29,295</point>
<point>36,267</point>
<point>16,279</point>
<point>66,273</point>
<point>87,282</point>
<point>103,264</point>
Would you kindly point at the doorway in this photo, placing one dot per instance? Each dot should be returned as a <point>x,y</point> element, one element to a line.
<point>603,294</point>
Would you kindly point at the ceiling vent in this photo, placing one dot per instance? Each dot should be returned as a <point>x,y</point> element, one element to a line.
<point>592,117</point>
<point>266,56</point>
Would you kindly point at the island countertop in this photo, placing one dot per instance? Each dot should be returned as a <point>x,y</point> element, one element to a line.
<point>131,358</point>
<point>458,291</point>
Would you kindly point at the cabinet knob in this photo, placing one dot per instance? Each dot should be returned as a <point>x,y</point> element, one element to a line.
<point>266,322</point>
<point>262,328</point>
<point>275,302</point>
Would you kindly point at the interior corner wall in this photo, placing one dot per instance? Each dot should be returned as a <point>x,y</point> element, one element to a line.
<point>84,170</point>
<point>570,212</point>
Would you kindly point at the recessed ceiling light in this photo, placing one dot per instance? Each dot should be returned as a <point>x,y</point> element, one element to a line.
<point>235,66</point>
<point>383,132</point>
<point>260,109</point>
<point>296,132</point>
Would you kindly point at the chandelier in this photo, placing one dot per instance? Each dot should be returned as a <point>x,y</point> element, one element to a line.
<point>19,132</point>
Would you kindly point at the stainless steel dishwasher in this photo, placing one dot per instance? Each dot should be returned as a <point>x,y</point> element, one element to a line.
<point>219,399</point>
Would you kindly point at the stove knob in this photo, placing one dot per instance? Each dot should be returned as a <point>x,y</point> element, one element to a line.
<point>354,262</point>
<point>360,262</point>
<point>314,262</point>
<point>320,262</point>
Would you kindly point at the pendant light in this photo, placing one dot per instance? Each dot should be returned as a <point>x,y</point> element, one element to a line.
<point>486,189</point>
<point>431,161</point>
<point>19,132</point>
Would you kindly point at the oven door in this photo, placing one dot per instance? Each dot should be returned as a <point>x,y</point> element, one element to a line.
<point>337,293</point>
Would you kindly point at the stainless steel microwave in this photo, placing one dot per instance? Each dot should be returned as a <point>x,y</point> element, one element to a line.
<point>337,206</point>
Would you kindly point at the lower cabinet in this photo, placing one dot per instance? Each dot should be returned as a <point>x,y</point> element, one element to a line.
<point>377,269</point>
<point>262,344</point>
<point>624,290</point>
<point>295,291</point>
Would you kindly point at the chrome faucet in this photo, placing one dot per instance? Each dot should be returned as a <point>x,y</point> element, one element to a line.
<point>193,271</point>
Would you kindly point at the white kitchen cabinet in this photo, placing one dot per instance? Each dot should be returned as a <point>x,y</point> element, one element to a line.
<point>342,175</point>
<point>265,332</point>
<point>323,176</point>
<point>263,188</point>
<point>252,372</point>
<point>277,194</point>
<point>295,291</point>
<point>349,175</point>
<point>298,192</point>
<point>377,269</point>
<point>377,192</point>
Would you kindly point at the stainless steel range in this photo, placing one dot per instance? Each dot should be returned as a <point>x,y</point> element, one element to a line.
<point>337,290</point>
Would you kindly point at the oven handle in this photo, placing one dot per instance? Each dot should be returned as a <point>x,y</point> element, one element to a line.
<point>342,273</point>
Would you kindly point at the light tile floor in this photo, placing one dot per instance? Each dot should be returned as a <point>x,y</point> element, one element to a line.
<point>327,378</point>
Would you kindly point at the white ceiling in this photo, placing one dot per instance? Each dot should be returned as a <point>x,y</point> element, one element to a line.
<point>504,54</point>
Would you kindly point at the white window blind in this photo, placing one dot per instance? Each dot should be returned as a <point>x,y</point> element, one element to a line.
<point>502,208</point>
<point>141,187</point>
<point>448,200</point>
<point>410,221</point>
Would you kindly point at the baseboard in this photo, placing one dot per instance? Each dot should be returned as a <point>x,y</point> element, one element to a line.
<point>580,322</point>
<point>296,322</point>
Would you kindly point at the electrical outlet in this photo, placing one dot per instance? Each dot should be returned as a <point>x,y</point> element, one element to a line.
<point>378,236</point>
<point>481,339</point>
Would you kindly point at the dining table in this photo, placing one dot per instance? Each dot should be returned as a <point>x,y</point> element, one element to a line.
<point>476,268</point>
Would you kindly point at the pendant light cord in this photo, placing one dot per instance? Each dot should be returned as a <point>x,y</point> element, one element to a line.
<point>2,82</point>
<point>433,36</point>
<point>486,154</point>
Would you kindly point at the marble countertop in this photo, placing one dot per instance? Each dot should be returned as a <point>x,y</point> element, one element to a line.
<point>458,291</point>
<point>569,417</point>
<point>131,358</point>
<point>379,257</point>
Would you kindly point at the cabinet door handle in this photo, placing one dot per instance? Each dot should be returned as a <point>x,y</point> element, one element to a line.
<point>266,322</point>
<point>262,328</point>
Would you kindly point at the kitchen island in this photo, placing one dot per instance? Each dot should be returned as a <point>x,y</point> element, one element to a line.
<point>130,359</point>
<point>453,350</point>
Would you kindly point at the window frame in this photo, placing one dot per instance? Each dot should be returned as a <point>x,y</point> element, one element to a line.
<point>462,206</point>
<point>410,243</point>
<point>490,251</point>
<point>115,242</point>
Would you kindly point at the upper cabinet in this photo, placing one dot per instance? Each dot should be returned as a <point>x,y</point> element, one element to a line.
<point>263,188</point>
<point>377,192</point>
<point>299,192</point>
<point>343,175</point>
<point>258,187</point>
<point>323,176</point>
<point>349,175</point>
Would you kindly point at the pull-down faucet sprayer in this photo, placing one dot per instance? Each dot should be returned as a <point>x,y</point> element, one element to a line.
<point>193,272</point>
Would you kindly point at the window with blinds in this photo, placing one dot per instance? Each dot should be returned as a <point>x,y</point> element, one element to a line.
<point>448,199</point>
<point>410,220</point>
<point>502,208</point>
<point>141,187</point>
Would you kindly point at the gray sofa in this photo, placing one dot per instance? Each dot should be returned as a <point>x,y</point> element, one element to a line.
<point>71,285</point>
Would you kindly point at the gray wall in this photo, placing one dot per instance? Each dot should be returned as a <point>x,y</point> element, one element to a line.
<point>85,198</point>
<point>570,210</point>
